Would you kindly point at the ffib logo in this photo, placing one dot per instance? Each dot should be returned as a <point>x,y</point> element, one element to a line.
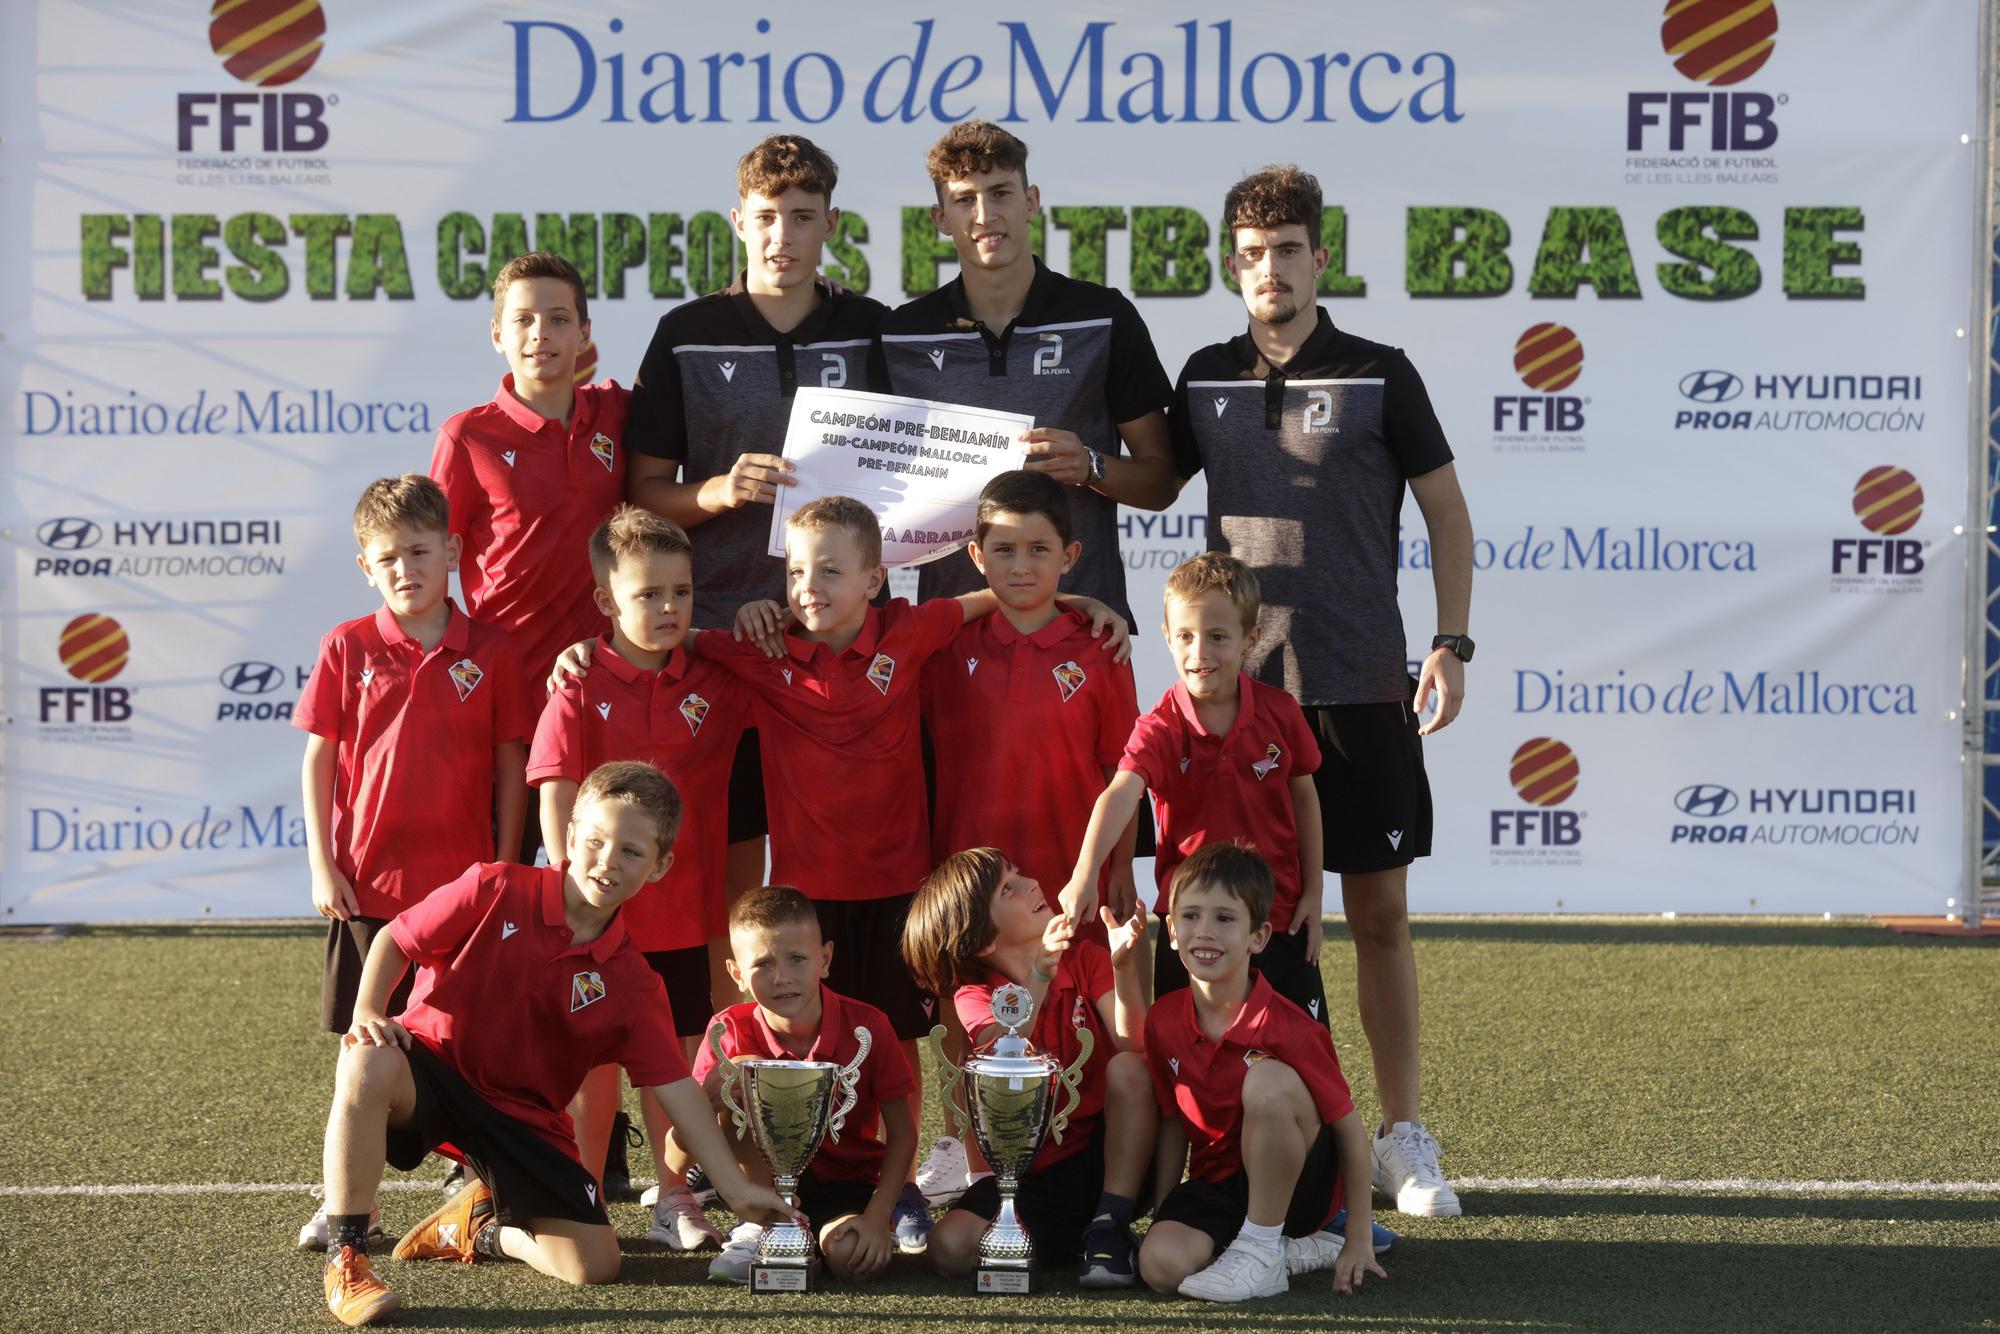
<point>69,534</point>
<point>1544,773</point>
<point>93,649</point>
<point>1711,386</point>
<point>1715,43</point>
<point>1888,501</point>
<point>266,44</point>
<point>1706,800</point>
<point>1548,358</point>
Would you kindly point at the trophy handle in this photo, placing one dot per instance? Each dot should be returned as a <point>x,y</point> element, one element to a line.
<point>948,1078</point>
<point>730,1074</point>
<point>849,1076</point>
<point>1072,1079</point>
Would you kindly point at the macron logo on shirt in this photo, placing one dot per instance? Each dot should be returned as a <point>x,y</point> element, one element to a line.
<point>604,711</point>
<point>728,369</point>
<point>971,666</point>
<point>937,357</point>
<point>367,675</point>
<point>507,929</point>
<point>1221,403</point>
<point>1174,1064</point>
<point>508,455</point>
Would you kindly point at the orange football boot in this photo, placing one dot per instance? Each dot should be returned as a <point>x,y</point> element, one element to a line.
<point>448,1233</point>
<point>353,1293</point>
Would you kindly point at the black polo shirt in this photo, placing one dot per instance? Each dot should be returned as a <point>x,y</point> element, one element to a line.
<point>1306,464</point>
<point>717,384</point>
<point>1078,357</point>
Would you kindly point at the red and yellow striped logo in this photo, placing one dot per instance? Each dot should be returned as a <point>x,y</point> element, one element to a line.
<point>1544,772</point>
<point>94,648</point>
<point>266,42</point>
<point>1548,358</point>
<point>1719,42</point>
<point>1888,501</point>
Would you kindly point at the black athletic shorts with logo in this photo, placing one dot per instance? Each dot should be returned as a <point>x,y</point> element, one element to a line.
<point>824,1201</point>
<point>1374,799</point>
<point>530,1177</point>
<point>685,973</point>
<point>1219,1208</point>
<point>347,945</point>
<point>867,940</point>
<point>1282,962</point>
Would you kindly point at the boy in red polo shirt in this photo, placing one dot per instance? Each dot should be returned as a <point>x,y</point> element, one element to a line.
<point>526,981</point>
<point>851,1188</point>
<point>1252,1099</point>
<point>979,923</point>
<point>534,470</point>
<point>648,700</point>
<point>416,723</point>
<point>1226,757</point>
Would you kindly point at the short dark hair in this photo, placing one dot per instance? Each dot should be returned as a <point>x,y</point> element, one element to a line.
<point>636,783</point>
<point>1236,868</point>
<point>1023,492</point>
<point>973,146</point>
<point>781,162</point>
<point>769,907</point>
<point>1273,197</point>
<point>539,264</point>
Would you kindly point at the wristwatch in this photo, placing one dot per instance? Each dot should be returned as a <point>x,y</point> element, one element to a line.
<point>1460,645</point>
<point>1096,465</point>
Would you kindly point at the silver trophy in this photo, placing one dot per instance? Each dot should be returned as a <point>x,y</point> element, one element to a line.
<point>788,1108</point>
<point>1009,1092</point>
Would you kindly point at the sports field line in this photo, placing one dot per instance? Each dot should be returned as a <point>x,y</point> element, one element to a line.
<point>1541,1185</point>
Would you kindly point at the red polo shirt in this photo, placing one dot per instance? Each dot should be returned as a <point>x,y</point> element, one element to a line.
<point>1202,1081</point>
<point>506,999</point>
<point>525,496</point>
<point>1083,977</point>
<point>1024,727</point>
<point>1213,789</point>
<point>686,719</point>
<point>843,763</point>
<point>415,734</point>
<point>884,1077</point>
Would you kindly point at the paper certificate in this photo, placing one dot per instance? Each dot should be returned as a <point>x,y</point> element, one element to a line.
<point>919,465</point>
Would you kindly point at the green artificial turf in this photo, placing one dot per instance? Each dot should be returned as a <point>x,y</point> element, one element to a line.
<point>1690,1050</point>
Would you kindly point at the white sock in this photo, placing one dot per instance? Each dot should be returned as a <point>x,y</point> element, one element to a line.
<point>1264,1234</point>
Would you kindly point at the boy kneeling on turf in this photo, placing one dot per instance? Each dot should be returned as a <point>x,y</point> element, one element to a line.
<point>850,1189</point>
<point>1251,1084</point>
<point>525,983</point>
<point>979,923</point>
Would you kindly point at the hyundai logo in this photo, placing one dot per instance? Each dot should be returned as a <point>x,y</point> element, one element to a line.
<point>1710,386</point>
<point>69,534</point>
<point>252,678</point>
<point>1705,799</point>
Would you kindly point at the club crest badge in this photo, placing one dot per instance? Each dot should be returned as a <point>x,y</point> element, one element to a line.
<point>465,674</point>
<point>1253,1056</point>
<point>881,672</point>
<point>605,448</point>
<point>1069,678</point>
<point>585,989</point>
<point>694,708</point>
<point>1263,767</point>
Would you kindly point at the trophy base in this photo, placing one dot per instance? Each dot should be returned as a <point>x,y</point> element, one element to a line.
<point>783,1278</point>
<point>1013,1281</point>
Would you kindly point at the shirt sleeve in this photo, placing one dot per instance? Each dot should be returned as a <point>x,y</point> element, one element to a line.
<point>974,1004</point>
<point>1117,714</point>
<point>432,930</point>
<point>1146,750</point>
<point>1180,431</point>
<point>724,649</point>
<point>452,471</point>
<point>888,1067</point>
<point>656,421</point>
<point>1135,383</point>
<point>558,748</point>
<point>513,714</point>
<point>1094,970</point>
<point>1308,1049</point>
<point>651,1053</point>
<point>322,706</point>
<point>1409,422</point>
<point>937,623</point>
<point>1157,1067</point>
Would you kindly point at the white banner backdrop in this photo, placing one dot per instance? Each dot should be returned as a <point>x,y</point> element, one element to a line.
<point>1719,576</point>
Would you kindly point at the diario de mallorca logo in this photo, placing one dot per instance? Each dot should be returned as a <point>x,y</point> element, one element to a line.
<point>1715,134</point>
<point>1888,501</point>
<point>265,45</point>
<point>1548,358</point>
<point>93,649</point>
<point>1544,774</point>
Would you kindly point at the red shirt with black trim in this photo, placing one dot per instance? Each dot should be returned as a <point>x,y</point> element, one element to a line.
<point>1214,789</point>
<point>414,736</point>
<point>1083,977</point>
<point>1201,1081</point>
<point>505,996</point>
<point>525,496</point>
<point>686,719</point>
<point>1024,727</point>
<point>884,1077</point>
<point>843,762</point>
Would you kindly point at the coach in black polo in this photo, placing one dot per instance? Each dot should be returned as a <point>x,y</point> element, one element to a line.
<point>1010,333</point>
<point>1308,436</point>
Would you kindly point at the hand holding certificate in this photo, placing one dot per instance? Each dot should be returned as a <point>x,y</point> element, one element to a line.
<point>918,465</point>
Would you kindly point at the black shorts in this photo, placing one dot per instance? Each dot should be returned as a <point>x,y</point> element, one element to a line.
<point>686,974</point>
<point>530,1177</point>
<point>1219,1208</point>
<point>347,945</point>
<point>746,791</point>
<point>1283,963</point>
<point>1056,1204</point>
<point>1374,800</point>
<point>867,940</point>
<point>823,1201</point>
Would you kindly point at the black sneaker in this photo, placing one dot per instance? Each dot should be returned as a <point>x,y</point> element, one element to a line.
<point>454,1178</point>
<point>618,1186</point>
<point>1109,1251</point>
<point>700,1187</point>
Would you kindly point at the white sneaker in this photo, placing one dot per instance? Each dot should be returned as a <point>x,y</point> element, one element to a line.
<point>314,1235</point>
<point>945,1173</point>
<point>1245,1270</point>
<point>680,1225</point>
<point>650,1196</point>
<point>738,1254</point>
<point>1406,1168</point>
<point>1310,1254</point>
